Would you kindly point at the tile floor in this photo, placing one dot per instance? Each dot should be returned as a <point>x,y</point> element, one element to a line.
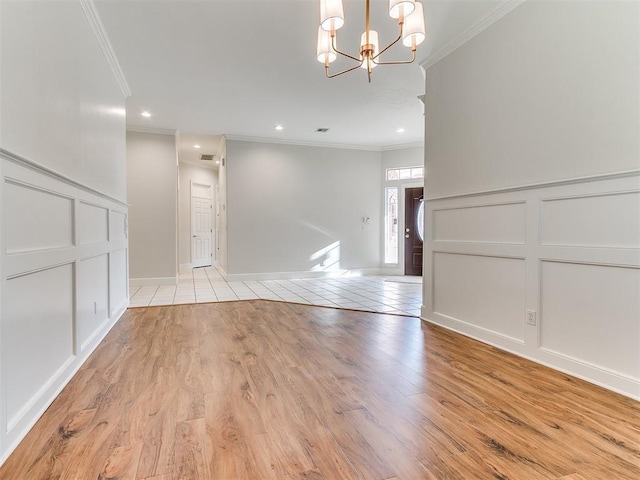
<point>369,293</point>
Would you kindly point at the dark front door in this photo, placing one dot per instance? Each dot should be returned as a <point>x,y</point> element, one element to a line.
<point>413,230</point>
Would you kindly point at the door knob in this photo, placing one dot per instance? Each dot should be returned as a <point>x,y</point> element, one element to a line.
<point>407,230</point>
<point>406,236</point>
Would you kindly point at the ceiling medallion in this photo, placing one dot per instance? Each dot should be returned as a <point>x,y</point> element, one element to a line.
<point>410,17</point>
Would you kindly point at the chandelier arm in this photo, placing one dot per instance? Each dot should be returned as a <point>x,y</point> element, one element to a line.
<point>326,70</point>
<point>333,45</point>
<point>399,62</point>
<point>387,47</point>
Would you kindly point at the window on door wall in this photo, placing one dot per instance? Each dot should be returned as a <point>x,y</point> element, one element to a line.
<point>391,225</point>
<point>405,173</point>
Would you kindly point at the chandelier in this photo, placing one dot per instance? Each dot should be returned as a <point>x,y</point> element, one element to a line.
<point>410,17</point>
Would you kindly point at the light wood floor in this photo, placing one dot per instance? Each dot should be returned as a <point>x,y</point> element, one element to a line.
<point>267,390</point>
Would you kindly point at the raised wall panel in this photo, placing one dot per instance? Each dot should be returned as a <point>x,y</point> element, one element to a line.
<point>503,223</point>
<point>581,261</point>
<point>487,292</point>
<point>52,230</point>
<point>93,297</point>
<point>117,226</point>
<point>93,224</point>
<point>607,220</point>
<point>37,334</point>
<point>592,313</point>
<point>36,219</point>
<point>119,294</point>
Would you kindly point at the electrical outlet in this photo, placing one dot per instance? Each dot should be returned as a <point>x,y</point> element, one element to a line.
<point>531,317</point>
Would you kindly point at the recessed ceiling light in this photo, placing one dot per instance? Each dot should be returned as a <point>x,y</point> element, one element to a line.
<point>145,114</point>
<point>400,130</point>
<point>217,162</point>
<point>279,127</point>
<point>196,146</point>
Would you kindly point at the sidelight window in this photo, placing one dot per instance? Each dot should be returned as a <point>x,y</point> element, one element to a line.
<point>391,225</point>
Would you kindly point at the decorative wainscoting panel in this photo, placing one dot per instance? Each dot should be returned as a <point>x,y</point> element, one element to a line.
<point>36,219</point>
<point>608,220</point>
<point>118,280</point>
<point>117,225</point>
<point>63,284</point>
<point>469,224</point>
<point>579,322</point>
<point>93,224</point>
<point>93,298</point>
<point>38,336</point>
<point>493,289</point>
<point>566,293</point>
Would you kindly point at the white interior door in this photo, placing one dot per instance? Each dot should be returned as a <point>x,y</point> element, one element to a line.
<point>201,228</point>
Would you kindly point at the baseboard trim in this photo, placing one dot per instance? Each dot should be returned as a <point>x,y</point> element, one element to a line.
<point>221,271</point>
<point>601,377</point>
<point>81,360</point>
<point>150,282</point>
<point>395,272</point>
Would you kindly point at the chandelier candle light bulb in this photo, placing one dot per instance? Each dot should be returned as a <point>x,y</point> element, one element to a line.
<point>413,33</point>
<point>369,48</point>
<point>331,14</point>
<point>410,16</point>
<point>326,54</point>
<point>398,8</point>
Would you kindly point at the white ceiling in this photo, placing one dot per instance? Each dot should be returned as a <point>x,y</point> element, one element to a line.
<point>241,67</point>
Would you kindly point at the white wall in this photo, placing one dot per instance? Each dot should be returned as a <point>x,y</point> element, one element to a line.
<point>63,245</point>
<point>298,209</point>
<point>402,157</point>
<point>192,174</point>
<point>152,175</point>
<point>71,122</point>
<point>524,111</point>
<point>537,97</point>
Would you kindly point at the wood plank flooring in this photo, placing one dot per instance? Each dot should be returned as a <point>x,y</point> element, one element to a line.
<point>268,390</point>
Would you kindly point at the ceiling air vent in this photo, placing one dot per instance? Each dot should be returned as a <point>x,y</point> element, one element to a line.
<point>204,156</point>
<point>322,130</point>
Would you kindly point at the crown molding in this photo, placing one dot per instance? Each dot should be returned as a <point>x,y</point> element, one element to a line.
<point>283,141</point>
<point>368,148</point>
<point>89,9</point>
<point>403,146</point>
<point>481,25</point>
<point>157,131</point>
